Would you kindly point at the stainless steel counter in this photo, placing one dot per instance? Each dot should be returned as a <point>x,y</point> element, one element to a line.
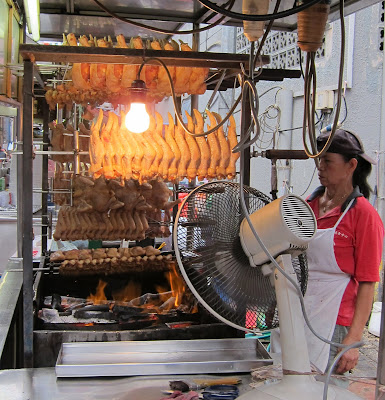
<point>42,384</point>
<point>10,287</point>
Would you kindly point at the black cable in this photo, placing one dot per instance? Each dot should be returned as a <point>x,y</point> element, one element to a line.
<point>158,30</point>
<point>254,17</point>
<point>300,63</point>
<point>311,180</point>
<point>313,155</point>
<point>177,107</point>
<point>346,110</point>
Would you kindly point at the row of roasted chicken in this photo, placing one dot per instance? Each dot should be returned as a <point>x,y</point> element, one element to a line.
<point>116,152</point>
<point>115,225</point>
<point>114,210</point>
<point>112,79</point>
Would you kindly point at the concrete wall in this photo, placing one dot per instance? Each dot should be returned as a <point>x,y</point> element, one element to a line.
<point>363,93</point>
<point>363,77</point>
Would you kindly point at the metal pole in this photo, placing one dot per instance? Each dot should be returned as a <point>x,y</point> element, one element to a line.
<point>44,195</point>
<point>381,362</point>
<point>381,212</point>
<point>246,121</point>
<point>195,47</point>
<point>27,214</point>
<point>19,187</point>
<point>76,153</point>
<point>285,103</point>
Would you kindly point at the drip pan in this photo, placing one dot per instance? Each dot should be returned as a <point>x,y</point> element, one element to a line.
<point>163,357</point>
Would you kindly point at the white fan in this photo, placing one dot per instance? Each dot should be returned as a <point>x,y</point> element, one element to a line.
<point>226,268</point>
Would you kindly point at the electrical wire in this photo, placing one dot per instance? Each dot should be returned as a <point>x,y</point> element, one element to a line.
<point>310,71</point>
<point>346,110</point>
<point>253,17</point>
<point>159,30</point>
<point>177,107</point>
<point>311,180</point>
<point>269,90</point>
<point>351,346</point>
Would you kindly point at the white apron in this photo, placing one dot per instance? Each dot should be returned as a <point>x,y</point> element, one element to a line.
<point>325,288</point>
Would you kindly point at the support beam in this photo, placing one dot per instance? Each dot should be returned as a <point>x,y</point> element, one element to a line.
<point>44,195</point>
<point>135,56</point>
<point>27,214</point>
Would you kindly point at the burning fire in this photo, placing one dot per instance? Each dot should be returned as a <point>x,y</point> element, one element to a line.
<point>164,301</point>
<point>131,291</point>
<point>177,285</point>
<point>99,297</point>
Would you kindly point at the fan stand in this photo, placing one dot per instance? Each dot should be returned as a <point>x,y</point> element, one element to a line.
<point>297,383</point>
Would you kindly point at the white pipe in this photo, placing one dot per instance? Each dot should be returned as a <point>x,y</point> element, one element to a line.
<point>295,356</point>
<point>350,50</point>
<point>285,103</point>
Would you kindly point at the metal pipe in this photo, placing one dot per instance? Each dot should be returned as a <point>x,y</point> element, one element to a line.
<point>281,154</point>
<point>52,152</point>
<point>35,143</point>
<point>381,211</point>
<point>45,187</point>
<point>19,188</point>
<point>27,214</point>
<point>71,134</point>
<point>51,191</point>
<point>35,269</point>
<point>285,103</point>
<point>76,153</point>
<point>195,47</point>
<point>59,115</point>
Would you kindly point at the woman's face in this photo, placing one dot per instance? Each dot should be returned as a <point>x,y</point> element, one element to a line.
<point>334,170</point>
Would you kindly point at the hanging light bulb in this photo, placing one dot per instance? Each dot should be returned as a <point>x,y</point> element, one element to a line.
<point>137,118</point>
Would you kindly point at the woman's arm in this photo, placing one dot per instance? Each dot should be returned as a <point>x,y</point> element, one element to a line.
<point>362,310</point>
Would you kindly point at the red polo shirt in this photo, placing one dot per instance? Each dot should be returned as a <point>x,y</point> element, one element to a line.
<point>357,246</point>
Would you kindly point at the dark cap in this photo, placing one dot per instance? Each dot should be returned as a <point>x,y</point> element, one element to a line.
<point>344,142</point>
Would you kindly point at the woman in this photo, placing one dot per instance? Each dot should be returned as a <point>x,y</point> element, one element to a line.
<point>345,255</point>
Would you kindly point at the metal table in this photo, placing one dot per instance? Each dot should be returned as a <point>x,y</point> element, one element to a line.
<point>42,384</point>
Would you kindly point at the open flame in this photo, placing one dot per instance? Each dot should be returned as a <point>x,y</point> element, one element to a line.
<point>99,297</point>
<point>164,301</point>
<point>177,285</point>
<point>129,292</point>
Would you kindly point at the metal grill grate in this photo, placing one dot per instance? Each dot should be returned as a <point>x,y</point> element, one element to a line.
<point>212,260</point>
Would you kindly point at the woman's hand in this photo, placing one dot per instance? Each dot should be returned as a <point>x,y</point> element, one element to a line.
<point>349,360</point>
<point>364,302</point>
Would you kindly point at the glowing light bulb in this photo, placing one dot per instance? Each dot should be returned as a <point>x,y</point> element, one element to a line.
<point>137,119</point>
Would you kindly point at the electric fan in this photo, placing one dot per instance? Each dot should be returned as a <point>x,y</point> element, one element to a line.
<point>227,270</point>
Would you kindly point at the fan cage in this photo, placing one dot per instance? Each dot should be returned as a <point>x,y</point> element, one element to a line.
<point>213,263</point>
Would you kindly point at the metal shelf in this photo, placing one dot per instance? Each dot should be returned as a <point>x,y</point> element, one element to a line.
<point>68,54</point>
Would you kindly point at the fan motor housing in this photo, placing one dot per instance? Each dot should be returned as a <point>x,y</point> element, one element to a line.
<point>285,225</point>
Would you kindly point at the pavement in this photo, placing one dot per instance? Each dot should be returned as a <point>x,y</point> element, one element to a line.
<point>366,368</point>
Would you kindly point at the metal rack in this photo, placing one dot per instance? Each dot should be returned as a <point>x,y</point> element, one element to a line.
<point>34,53</point>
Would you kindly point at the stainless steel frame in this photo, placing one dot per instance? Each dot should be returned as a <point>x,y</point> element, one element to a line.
<point>68,54</point>
<point>28,212</point>
<point>32,53</point>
